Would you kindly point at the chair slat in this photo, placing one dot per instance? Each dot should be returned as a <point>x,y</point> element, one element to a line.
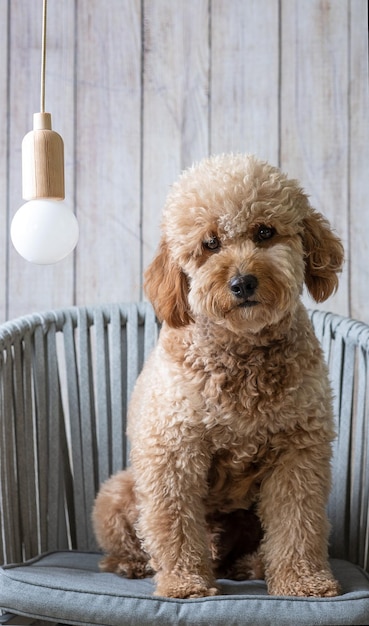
<point>88,429</point>
<point>103,395</point>
<point>40,377</point>
<point>57,530</point>
<point>359,490</point>
<point>10,515</point>
<point>75,492</point>
<point>118,364</point>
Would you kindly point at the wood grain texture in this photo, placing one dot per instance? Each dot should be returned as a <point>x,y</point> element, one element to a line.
<point>176,84</point>
<point>314,113</point>
<point>140,89</point>
<point>43,161</point>
<point>358,218</point>
<point>108,114</point>
<point>34,287</point>
<point>4,115</point>
<point>245,77</point>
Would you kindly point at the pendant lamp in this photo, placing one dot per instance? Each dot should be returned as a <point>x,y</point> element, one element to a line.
<point>44,230</point>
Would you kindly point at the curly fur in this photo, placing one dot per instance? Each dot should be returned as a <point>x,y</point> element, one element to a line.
<point>230,421</point>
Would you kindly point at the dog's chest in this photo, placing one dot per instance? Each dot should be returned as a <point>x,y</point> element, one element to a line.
<point>235,475</point>
<point>242,390</point>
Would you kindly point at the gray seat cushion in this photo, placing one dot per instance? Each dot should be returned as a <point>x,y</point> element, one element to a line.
<point>68,587</point>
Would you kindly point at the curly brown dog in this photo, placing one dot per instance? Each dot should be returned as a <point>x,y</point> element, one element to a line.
<point>230,421</point>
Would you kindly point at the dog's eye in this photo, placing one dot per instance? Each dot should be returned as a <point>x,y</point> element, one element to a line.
<point>265,232</point>
<point>212,244</point>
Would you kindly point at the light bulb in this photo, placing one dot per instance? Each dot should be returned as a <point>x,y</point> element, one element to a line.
<point>44,231</point>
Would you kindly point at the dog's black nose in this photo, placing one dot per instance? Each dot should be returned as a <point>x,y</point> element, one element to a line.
<point>243,286</point>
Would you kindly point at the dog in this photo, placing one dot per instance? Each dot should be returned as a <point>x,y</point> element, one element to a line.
<point>230,421</point>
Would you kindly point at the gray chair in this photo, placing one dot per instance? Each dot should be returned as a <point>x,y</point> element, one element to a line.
<point>65,380</point>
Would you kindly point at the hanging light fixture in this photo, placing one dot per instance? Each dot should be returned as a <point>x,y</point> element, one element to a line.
<point>44,230</point>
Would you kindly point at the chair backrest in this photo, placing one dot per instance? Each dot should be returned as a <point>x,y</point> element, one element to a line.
<point>65,381</point>
<point>346,347</point>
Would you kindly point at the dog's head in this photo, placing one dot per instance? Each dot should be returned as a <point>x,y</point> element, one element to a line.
<point>239,239</point>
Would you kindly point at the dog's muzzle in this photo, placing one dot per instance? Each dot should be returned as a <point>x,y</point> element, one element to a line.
<point>243,288</point>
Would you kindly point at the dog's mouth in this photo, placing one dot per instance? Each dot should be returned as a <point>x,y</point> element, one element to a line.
<point>247,303</point>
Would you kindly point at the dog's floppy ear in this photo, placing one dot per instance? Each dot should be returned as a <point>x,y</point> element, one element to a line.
<point>166,286</point>
<point>324,256</point>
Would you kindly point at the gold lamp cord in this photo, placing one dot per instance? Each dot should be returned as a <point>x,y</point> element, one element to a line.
<point>43,56</point>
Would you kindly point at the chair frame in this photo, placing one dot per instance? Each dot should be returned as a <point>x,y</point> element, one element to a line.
<point>65,381</point>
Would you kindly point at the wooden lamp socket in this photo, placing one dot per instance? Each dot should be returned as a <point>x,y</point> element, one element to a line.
<point>42,161</point>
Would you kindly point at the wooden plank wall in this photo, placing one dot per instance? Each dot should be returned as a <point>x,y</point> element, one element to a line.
<point>139,89</point>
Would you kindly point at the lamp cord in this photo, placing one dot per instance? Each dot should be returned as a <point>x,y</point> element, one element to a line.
<point>43,57</point>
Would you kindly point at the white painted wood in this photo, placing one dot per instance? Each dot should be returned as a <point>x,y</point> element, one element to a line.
<point>314,114</point>
<point>287,80</point>
<point>244,107</point>
<point>358,218</point>
<point>3,157</point>
<point>34,287</point>
<point>175,124</point>
<point>108,115</point>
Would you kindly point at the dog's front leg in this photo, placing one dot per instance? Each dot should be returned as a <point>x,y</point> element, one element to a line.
<point>170,488</point>
<point>292,510</point>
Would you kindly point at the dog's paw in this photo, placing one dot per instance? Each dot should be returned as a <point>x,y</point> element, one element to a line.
<point>138,568</point>
<point>318,584</point>
<point>176,585</point>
